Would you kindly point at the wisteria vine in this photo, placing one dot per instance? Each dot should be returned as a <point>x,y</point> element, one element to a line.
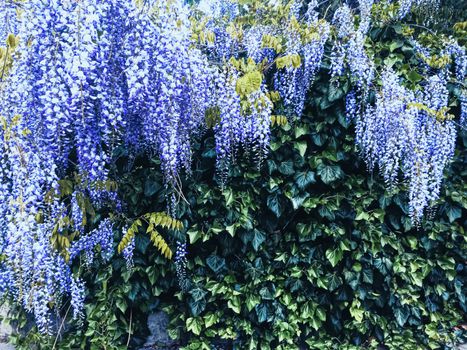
<point>151,76</point>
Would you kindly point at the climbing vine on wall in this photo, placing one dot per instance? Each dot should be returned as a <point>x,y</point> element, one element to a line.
<point>94,91</point>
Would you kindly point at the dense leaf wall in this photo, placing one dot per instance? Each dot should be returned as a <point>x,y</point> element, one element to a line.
<point>309,251</point>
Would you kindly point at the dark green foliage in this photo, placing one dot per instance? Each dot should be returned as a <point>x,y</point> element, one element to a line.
<point>309,251</point>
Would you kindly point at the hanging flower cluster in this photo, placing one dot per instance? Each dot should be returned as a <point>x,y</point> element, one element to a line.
<point>8,18</point>
<point>403,131</point>
<point>406,5</point>
<point>180,263</point>
<point>294,79</point>
<point>408,131</point>
<point>349,47</point>
<point>92,75</point>
<point>86,80</point>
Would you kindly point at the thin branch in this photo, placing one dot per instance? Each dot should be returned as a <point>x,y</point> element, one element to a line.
<point>61,326</point>
<point>4,63</point>
<point>129,328</point>
<point>422,27</point>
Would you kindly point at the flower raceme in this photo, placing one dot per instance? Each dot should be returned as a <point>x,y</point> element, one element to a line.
<point>93,75</point>
<point>401,132</point>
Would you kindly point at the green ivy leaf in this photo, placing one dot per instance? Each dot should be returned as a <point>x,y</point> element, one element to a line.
<point>252,300</point>
<point>319,139</point>
<point>194,325</point>
<point>395,45</point>
<point>402,314</point>
<point>198,294</point>
<point>334,282</point>
<point>414,77</point>
<point>261,312</point>
<point>286,168</point>
<point>121,305</point>
<point>258,238</point>
<point>216,263</point>
<point>334,256</point>
<point>274,204</point>
<point>234,304</point>
<point>197,306</point>
<point>335,92</point>
<point>453,213</point>
<point>362,216</point>
<point>321,313</point>
<point>367,276</point>
<point>304,178</point>
<point>228,195</point>
<point>298,201</point>
<point>329,173</point>
<point>151,186</point>
<point>301,130</point>
<point>301,147</point>
<point>194,235</point>
<point>210,319</point>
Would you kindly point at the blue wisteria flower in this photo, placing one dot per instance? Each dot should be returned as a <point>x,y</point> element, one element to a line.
<point>91,76</point>
<point>9,20</point>
<point>293,83</point>
<point>349,47</point>
<point>403,132</point>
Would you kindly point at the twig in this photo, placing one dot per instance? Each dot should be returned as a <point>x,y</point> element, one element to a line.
<point>423,27</point>
<point>61,326</point>
<point>129,328</point>
<point>4,63</point>
<point>460,125</point>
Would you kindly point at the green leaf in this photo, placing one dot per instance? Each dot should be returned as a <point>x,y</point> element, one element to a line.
<point>362,216</point>
<point>197,306</point>
<point>301,147</point>
<point>414,77</point>
<point>447,264</point>
<point>234,304</point>
<point>253,344</point>
<point>228,195</point>
<point>316,323</point>
<point>121,305</point>
<point>334,256</point>
<point>261,312</point>
<point>402,314</point>
<point>194,325</point>
<point>307,311</point>
<point>274,204</point>
<point>395,45</point>
<point>216,263</point>
<point>298,201</point>
<point>286,168</point>
<point>453,213</point>
<point>252,300</point>
<point>198,294</point>
<point>356,311</point>
<point>334,282</point>
<point>321,313</point>
<point>268,293</point>
<point>324,103</point>
<point>367,276</point>
<point>335,92</point>
<point>329,173</point>
<point>258,238</point>
<point>151,187</point>
<point>231,229</point>
<point>210,319</point>
<point>194,235</point>
<point>304,178</point>
<point>301,130</point>
<point>319,139</point>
